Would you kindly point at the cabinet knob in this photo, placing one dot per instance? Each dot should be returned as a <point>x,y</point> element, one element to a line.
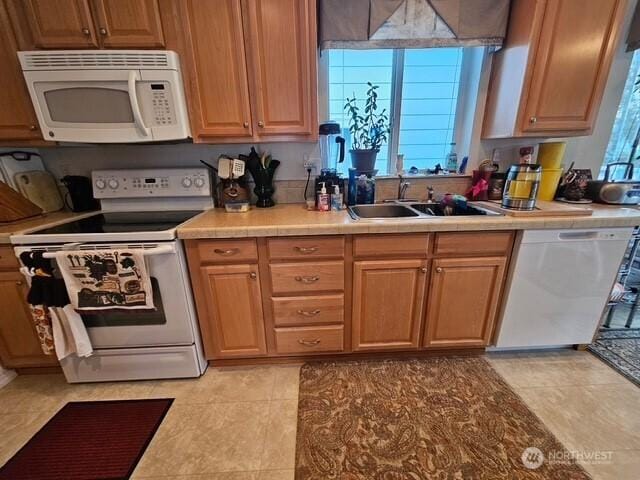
<point>86,31</point>
<point>533,120</point>
<point>19,283</point>
<point>439,269</point>
<point>245,124</point>
<point>261,124</point>
<point>33,128</point>
<point>423,269</point>
<point>253,275</point>
<point>103,31</point>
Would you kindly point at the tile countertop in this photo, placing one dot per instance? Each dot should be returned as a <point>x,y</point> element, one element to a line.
<point>294,219</point>
<point>33,223</point>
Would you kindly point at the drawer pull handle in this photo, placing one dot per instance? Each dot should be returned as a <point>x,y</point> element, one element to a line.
<point>19,283</point>
<point>439,270</point>
<point>227,252</point>
<point>305,279</point>
<point>306,250</point>
<point>309,343</point>
<point>307,313</point>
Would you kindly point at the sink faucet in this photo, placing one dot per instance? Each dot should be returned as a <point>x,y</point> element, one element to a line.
<point>402,187</point>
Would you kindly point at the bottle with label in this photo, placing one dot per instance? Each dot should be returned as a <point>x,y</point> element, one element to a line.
<point>452,159</point>
<point>324,202</point>
<point>336,199</point>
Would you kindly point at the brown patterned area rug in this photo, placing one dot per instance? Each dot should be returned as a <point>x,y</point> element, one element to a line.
<point>448,418</point>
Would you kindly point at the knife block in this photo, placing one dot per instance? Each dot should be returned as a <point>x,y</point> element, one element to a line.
<point>14,207</point>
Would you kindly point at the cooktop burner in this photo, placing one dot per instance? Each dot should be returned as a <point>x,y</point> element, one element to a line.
<point>114,222</point>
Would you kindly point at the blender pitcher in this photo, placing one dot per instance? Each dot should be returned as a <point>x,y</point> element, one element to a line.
<point>331,145</point>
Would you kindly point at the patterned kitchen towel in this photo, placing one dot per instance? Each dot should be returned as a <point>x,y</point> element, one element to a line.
<point>103,279</point>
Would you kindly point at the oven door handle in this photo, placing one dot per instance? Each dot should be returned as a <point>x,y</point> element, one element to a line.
<point>135,107</point>
<point>161,250</point>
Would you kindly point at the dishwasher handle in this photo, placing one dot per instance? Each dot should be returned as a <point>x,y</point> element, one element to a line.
<point>584,235</point>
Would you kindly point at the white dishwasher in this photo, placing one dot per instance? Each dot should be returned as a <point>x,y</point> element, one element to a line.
<point>560,285</point>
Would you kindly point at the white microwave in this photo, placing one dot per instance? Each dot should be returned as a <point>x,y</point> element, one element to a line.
<point>116,96</point>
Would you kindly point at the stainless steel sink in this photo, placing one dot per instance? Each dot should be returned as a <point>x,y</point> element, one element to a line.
<point>413,210</point>
<point>382,211</point>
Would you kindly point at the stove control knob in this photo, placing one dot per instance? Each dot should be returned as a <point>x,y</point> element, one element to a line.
<point>113,183</point>
<point>199,182</point>
<point>186,182</point>
<point>101,184</point>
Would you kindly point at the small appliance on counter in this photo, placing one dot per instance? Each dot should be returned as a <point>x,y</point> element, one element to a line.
<point>331,145</point>
<point>615,192</point>
<point>521,186</point>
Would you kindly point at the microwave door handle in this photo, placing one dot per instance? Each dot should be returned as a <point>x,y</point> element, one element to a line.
<point>135,107</point>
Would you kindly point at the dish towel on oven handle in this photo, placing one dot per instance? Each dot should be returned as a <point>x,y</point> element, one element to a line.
<point>69,333</point>
<point>106,279</point>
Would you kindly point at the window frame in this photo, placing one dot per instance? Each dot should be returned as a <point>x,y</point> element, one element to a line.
<point>397,75</point>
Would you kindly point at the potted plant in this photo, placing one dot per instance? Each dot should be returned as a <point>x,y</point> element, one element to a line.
<point>368,130</point>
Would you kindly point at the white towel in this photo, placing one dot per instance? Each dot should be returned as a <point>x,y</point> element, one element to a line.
<point>69,333</point>
<point>103,279</point>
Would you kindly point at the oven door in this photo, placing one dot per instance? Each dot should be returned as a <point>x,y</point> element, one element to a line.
<point>172,322</point>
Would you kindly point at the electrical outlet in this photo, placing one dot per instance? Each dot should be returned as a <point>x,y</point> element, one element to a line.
<point>311,163</point>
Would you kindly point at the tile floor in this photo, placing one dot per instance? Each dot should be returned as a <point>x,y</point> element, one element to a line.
<point>240,423</point>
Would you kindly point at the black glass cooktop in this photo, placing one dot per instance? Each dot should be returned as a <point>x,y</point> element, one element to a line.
<point>115,222</point>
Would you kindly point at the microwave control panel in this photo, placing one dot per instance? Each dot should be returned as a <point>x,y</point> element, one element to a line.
<point>154,182</point>
<point>156,101</point>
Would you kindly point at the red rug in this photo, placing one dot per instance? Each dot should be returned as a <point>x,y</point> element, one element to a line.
<point>89,441</point>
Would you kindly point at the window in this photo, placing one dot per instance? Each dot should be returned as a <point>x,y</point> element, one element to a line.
<point>419,88</point>
<point>627,123</point>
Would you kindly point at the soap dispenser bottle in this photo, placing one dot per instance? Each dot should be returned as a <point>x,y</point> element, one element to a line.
<point>324,204</point>
<point>336,199</point>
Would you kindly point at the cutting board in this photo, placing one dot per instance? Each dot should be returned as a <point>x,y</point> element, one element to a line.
<point>14,207</point>
<point>40,188</point>
<point>543,209</point>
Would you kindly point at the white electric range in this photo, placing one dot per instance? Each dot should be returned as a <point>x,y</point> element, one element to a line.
<point>140,209</point>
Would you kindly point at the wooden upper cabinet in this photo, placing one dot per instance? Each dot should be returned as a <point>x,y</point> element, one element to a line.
<point>17,118</point>
<point>60,23</point>
<point>128,23</point>
<point>282,36</point>
<point>234,304</point>
<point>549,78</point>
<point>19,343</point>
<point>463,301</point>
<point>388,298</point>
<point>216,70</point>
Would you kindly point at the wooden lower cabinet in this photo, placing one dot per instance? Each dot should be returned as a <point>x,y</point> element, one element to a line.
<point>388,299</point>
<point>234,304</point>
<point>463,301</point>
<point>19,343</point>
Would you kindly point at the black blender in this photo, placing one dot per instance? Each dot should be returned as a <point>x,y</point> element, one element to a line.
<point>331,154</point>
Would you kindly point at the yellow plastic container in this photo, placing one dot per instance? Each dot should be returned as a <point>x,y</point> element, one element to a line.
<point>550,155</point>
<point>549,183</point>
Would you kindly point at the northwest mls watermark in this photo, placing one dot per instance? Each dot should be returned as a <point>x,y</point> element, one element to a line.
<point>533,458</point>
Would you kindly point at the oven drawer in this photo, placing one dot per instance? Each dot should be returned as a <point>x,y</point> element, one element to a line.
<point>225,251</point>
<point>311,310</point>
<point>309,339</point>
<point>307,277</point>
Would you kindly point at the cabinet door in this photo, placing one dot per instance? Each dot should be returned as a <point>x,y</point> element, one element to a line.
<point>17,118</point>
<point>60,23</point>
<point>19,343</point>
<point>128,23</point>
<point>388,298</point>
<point>575,50</point>
<point>217,78</point>
<point>463,301</point>
<point>234,303</point>
<point>283,66</point>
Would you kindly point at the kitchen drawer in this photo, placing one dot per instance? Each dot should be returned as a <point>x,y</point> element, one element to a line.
<point>305,247</point>
<point>306,277</point>
<point>309,339</point>
<point>8,260</point>
<point>309,310</point>
<point>225,251</point>
<point>473,243</point>
<point>414,245</point>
